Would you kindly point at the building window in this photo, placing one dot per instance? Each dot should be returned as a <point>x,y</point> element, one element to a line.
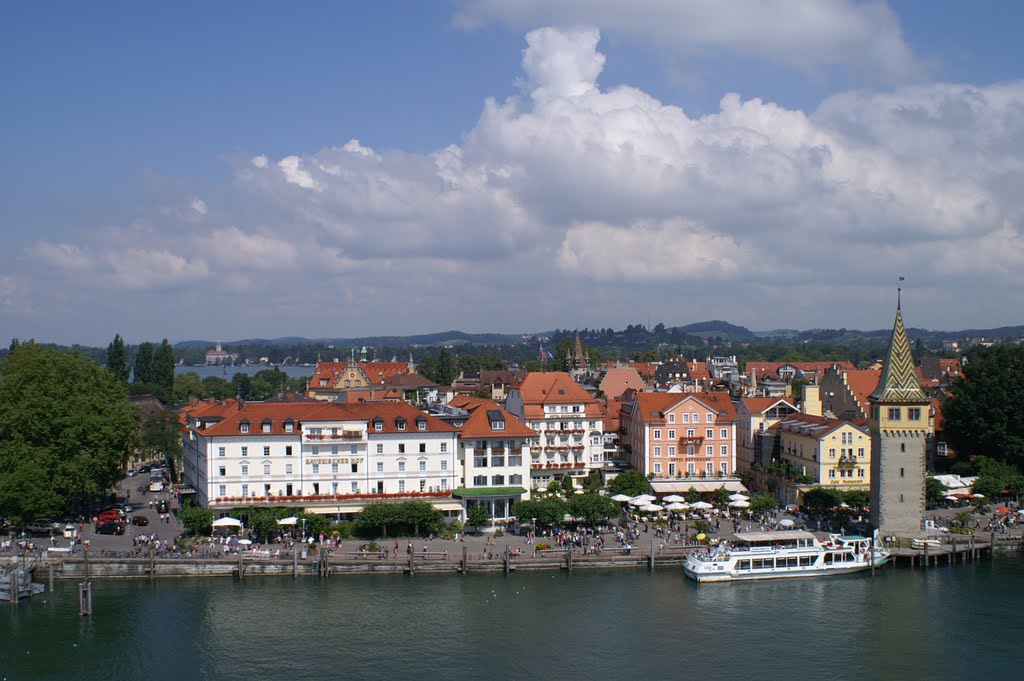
<point>266,427</point>
<point>380,466</point>
<point>657,467</point>
<point>288,469</point>
<point>401,448</point>
<point>380,448</point>
<point>221,451</point>
<point>903,447</point>
<point>245,451</point>
<point>710,468</point>
<point>671,450</point>
<point>690,450</point>
<point>289,427</point>
<point>480,481</point>
<point>691,432</point>
<point>710,433</point>
<point>245,469</point>
<point>725,433</point>
<point>401,424</point>
<point>709,450</point>
<point>832,453</point>
<point>444,484</point>
<point>378,426</point>
<point>316,450</point>
<point>355,468</point>
<point>243,428</point>
<point>423,447</point>
<point>860,472</point>
<point>831,472</point>
<point>421,424</point>
<point>288,450</point>
<point>860,451</point>
<point>444,447</point>
<point>222,471</point>
<point>423,485</point>
<point>266,469</point>
<point>657,434</point>
<point>334,468</point>
<point>266,451</point>
<point>725,468</point>
<point>512,480</point>
<point>401,466</point>
<point>444,464</point>
<point>671,419</point>
<point>901,472</point>
<point>355,488</point>
<point>423,464</point>
<point>894,413</point>
<point>671,433</point>
<point>222,491</point>
<point>709,418</point>
<point>691,469</point>
<point>914,414</point>
<point>657,451</point>
<point>686,418</point>
<point>497,480</point>
<point>724,450</point>
<point>316,469</point>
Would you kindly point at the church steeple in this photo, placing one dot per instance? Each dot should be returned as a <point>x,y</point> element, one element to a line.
<point>899,381</point>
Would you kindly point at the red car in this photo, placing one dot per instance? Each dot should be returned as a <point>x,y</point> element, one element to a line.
<point>140,520</point>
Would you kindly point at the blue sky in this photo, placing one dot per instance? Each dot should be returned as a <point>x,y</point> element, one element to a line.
<point>216,170</point>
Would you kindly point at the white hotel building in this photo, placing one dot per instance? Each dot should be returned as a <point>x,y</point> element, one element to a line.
<point>327,458</point>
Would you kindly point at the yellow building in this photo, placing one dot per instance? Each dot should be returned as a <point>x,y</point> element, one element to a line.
<point>831,452</point>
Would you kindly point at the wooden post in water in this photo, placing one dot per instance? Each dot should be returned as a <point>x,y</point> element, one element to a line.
<point>85,564</point>
<point>952,557</point>
<point>295,561</point>
<point>412,563</point>
<point>992,546</point>
<point>926,553</point>
<point>508,560</point>
<point>465,559</point>
<point>568,557</point>
<point>241,566</point>
<point>871,543</point>
<point>650,558</point>
<point>152,564</point>
<point>51,577</point>
<point>84,598</point>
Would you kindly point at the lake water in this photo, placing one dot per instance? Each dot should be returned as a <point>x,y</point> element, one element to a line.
<point>952,622</point>
<point>226,372</point>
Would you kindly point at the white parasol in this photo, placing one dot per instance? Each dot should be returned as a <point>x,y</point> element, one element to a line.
<point>227,522</point>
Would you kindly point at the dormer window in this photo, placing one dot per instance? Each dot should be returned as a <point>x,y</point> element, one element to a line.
<point>265,425</point>
<point>289,426</point>
<point>243,427</point>
<point>323,382</point>
<point>421,424</point>
<point>497,425</point>
<point>400,423</point>
<point>378,425</point>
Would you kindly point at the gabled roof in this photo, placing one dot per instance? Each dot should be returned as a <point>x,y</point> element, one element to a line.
<point>482,414</point>
<point>379,373</point>
<point>553,387</point>
<point>817,427</point>
<point>862,383</point>
<point>619,379</point>
<point>759,405</point>
<point>653,406</point>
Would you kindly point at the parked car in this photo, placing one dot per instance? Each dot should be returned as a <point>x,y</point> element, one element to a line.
<point>43,526</point>
<point>140,520</point>
<point>131,473</point>
<point>161,506</point>
<point>128,507</point>
<point>110,528</point>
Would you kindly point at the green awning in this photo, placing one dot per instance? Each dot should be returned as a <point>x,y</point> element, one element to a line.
<point>489,491</point>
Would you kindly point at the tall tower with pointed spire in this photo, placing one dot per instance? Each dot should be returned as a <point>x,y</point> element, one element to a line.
<point>899,429</point>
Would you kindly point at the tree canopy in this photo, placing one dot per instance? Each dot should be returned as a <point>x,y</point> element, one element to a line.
<point>117,359</point>
<point>592,507</point>
<point>985,414</point>
<point>66,427</point>
<point>546,512</point>
<point>631,483</point>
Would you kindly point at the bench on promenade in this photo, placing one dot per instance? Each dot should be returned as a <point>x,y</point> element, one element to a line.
<point>432,555</point>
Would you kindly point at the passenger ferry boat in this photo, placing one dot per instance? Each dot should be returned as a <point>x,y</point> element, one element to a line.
<point>788,553</point>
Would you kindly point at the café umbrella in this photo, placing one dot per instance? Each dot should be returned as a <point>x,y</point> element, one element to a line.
<point>652,508</point>
<point>227,522</point>
<point>701,506</point>
<point>674,498</point>
<point>738,497</point>
<point>739,503</point>
<point>621,497</point>
<point>290,520</point>
<point>677,506</point>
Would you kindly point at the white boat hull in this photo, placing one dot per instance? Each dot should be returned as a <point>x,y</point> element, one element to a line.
<point>726,574</point>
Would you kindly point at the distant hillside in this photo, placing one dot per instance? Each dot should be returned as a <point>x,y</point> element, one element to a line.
<point>430,339</point>
<point>718,328</point>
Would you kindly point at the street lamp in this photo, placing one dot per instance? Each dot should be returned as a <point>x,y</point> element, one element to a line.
<point>303,530</point>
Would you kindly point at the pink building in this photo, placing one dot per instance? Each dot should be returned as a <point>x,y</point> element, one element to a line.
<point>680,436</point>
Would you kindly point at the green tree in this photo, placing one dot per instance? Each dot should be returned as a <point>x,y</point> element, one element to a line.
<point>186,386</point>
<point>631,483</point>
<point>477,515</point>
<point>378,516</point>
<point>568,485</point>
<point>196,518</point>
<point>144,364</point>
<point>722,496</point>
<point>692,495</point>
<point>117,359</point>
<point>547,512</point>
<point>934,490</point>
<point>161,438</point>
<point>857,498</point>
<point>64,419</point>
<point>422,516</point>
<point>594,481</point>
<point>163,371</point>
<point>985,414</point>
<point>314,523</point>
<point>822,498</point>
<point>592,507</point>
<point>761,504</point>
<point>446,371</point>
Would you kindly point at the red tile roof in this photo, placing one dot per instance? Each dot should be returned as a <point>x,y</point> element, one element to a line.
<point>814,426</point>
<point>482,413</point>
<point>759,405</point>
<point>555,387</point>
<point>649,403</point>
<point>619,379</point>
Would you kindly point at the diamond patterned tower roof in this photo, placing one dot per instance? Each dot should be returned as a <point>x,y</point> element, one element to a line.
<point>899,380</point>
